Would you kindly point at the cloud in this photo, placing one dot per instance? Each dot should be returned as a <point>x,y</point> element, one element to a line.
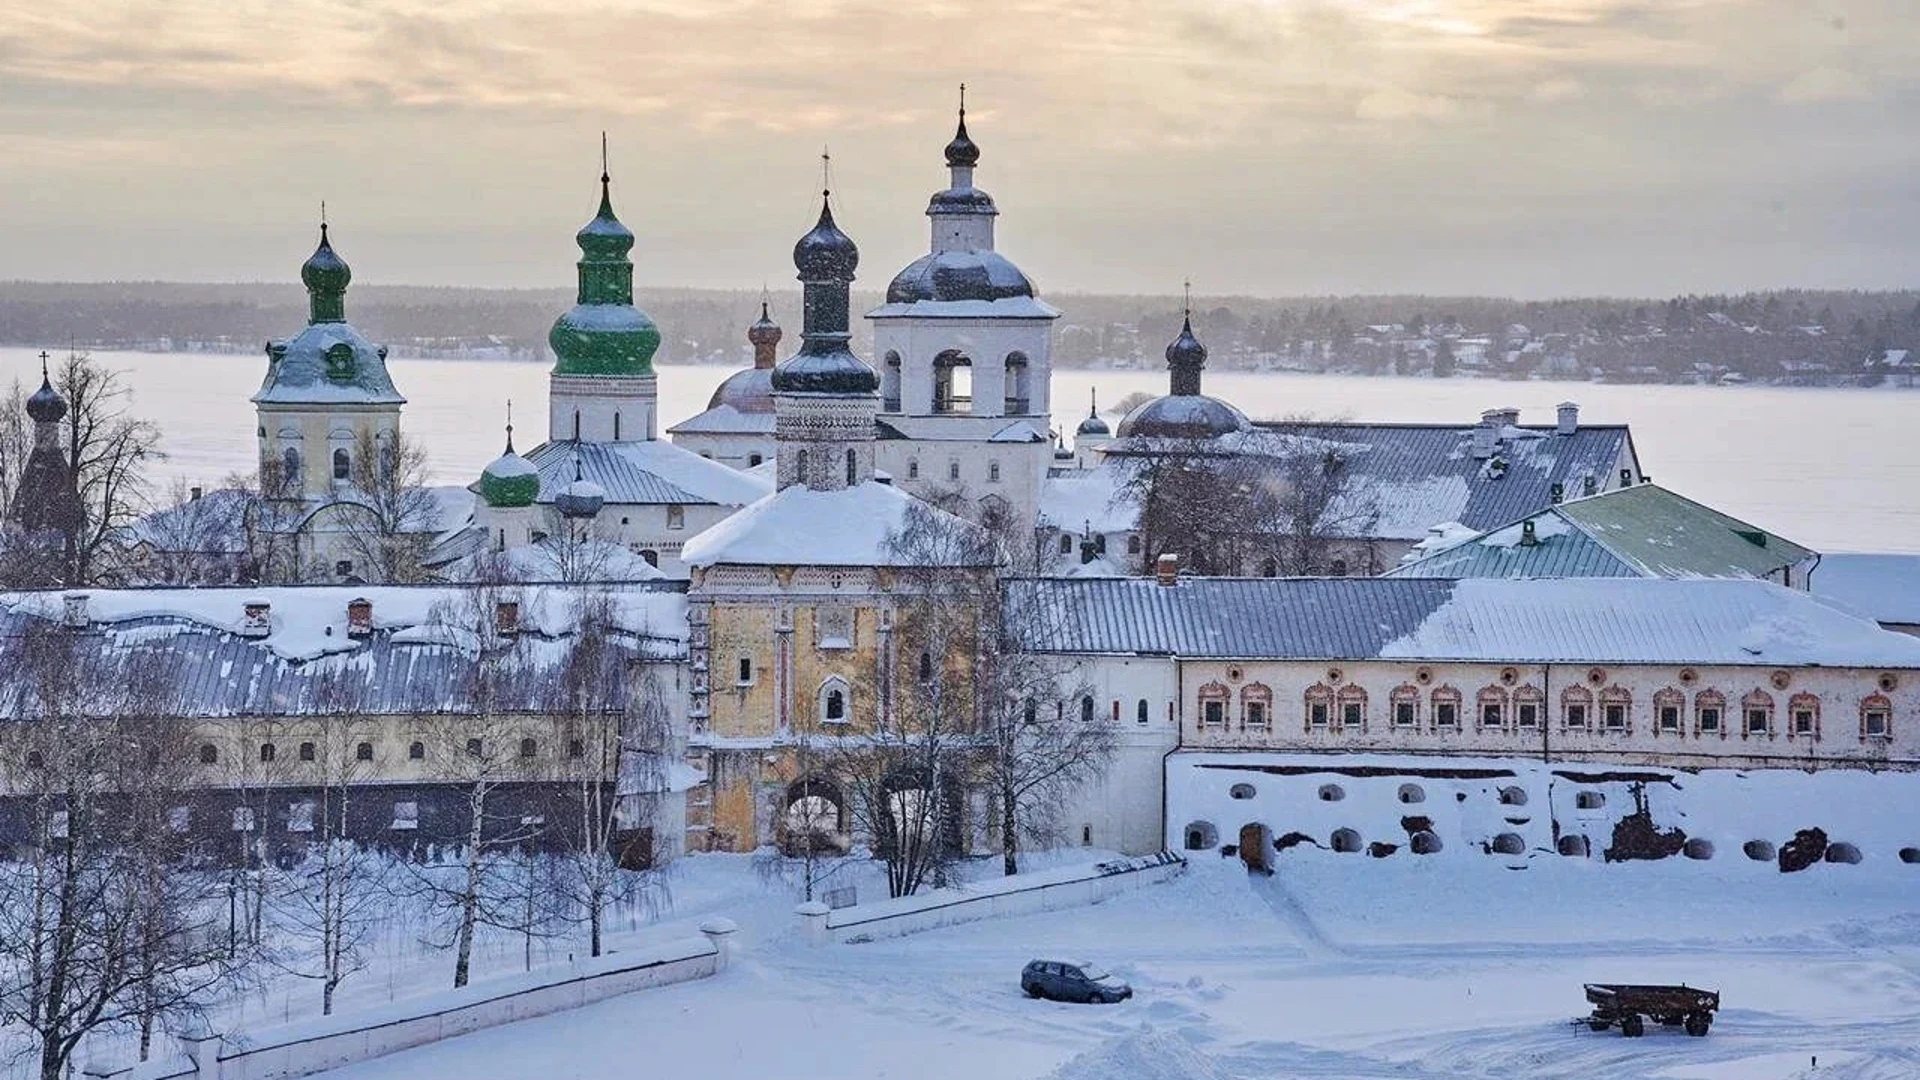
<point>1401,105</point>
<point>1825,85</point>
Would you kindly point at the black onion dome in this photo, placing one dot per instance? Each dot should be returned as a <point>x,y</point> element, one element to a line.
<point>1093,425</point>
<point>1183,416</point>
<point>838,372</point>
<point>961,152</point>
<point>1186,349</point>
<point>959,275</point>
<point>46,406</point>
<point>825,253</point>
<point>748,391</point>
<point>325,271</point>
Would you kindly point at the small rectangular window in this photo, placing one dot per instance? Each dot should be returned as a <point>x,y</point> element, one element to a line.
<point>993,472</point>
<point>1669,718</point>
<point>1526,714</point>
<point>1802,721</point>
<point>1490,715</point>
<point>406,816</point>
<point>1403,714</point>
<point>746,670</point>
<point>300,817</point>
<point>676,517</point>
<point>1577,716</point>
<point>363,752</point>
<point>1757,721</point>
<point>1875,723</point>
<point>1317,714</point>
<point>1614,716</point>
<point>953,469</point>
<point>473,748</point>
<point>1214,713</point>
<point>1353,714</point>
<point>1709,720</point>
<point>1256,714</point>
<point>1446,714</point>
<point>306,751</point>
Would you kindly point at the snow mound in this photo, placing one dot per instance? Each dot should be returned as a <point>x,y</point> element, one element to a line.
<point>1144,1055</point>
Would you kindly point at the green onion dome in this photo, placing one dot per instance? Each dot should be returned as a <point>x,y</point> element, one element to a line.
<point>603,333</point>
<point>510,481</point>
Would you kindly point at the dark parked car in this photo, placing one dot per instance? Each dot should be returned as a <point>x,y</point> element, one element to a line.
<point>1079,982</point>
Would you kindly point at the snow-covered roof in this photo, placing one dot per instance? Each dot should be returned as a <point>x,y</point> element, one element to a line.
<point>1572,620</point>
<point>1640,531</point>
<point>327,363</point>
<point>198,661</point>
<point>552,559</point>
<point>1012,307</point>
<point>724,420</point>
<point>798,526</point>
<point>1093,499</point>
<point>645,472</point>
<point>1885,588</point>
<point>214,523</point>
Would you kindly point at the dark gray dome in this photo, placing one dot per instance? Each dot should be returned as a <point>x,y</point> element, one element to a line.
<point>1093,425</point>
<point>749,391</point>
<point>961,152</point>
<point>825,253</point>
<point>46,405</point>
<point>838,372</point>
<point>958,275</point>
<point>1183,416</point>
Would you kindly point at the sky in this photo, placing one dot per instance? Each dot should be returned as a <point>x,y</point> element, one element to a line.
<point>1269,147</point>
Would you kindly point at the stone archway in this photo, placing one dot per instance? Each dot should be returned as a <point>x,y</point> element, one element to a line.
<point>813,819</point>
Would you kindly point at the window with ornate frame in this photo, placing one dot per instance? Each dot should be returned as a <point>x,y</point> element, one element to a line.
<point>1446,709</point>
<point>1876,717</point>
<point>1616,710</point>
<point>1756,715</point>
<point>1403,706</point>
<point>1319,707</point>
<point>1709,714</point>
<point>1528,705</point>
<point>1669,706</point>
<point>1576,708</point>
<point>1256,706</point>
<point>1803,717</point>
<point>1213,705</point>
<point>836,701</point>
<point>1492,701</point>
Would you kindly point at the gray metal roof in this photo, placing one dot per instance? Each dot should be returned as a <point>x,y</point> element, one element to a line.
<point>1573,620</point>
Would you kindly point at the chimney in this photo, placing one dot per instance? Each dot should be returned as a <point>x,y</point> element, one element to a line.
<point>1166,569</point>
<point>74,610</point>
<point>256,618</point>
<point>1487,435</point>
<point>1567,418</point>
<point>193,493</point>
<point>1589,485</point>
<point>1528,538</point>
<point>359,617</point>
<point>506,617</point>
<point>1558,493</point>
<point>1509,416</point>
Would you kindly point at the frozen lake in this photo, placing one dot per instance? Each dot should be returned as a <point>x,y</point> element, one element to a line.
<point>1835,469</point>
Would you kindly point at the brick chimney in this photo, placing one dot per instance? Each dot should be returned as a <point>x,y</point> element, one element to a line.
<point>1567,418</point>
<point>506,617</point>
<point>74,610</point>
<point>1486,437</point>
<point>1166,569</point>
<point>256,618</point>
<point>359,617</point>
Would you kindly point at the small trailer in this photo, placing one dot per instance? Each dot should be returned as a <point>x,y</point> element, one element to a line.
<point>1630,1006</point>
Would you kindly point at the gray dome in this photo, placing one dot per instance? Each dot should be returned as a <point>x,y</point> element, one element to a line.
<point>959,275</point>
<point>1183,416</point>
<point>1093,425</point>
<point>46,405</point>
<point>825,253</point>
<point>748,391</point>
<point>833,371</point>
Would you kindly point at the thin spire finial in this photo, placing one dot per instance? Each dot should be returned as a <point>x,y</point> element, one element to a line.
<point>826,173</point>
<point>323,219</point>
<point>1187,288</point>
<point>604,174</point>
<point>509,425</point>
<point>1093,401</point>
<point>766,298</point>
<point>43,365</point>
<point>963,101</point>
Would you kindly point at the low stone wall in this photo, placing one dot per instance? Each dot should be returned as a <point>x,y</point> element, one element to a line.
<point>1025,894</point>
<point>313,1046</point>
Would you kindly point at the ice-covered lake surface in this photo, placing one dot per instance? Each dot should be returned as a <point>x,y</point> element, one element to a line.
<point>1834,469</point>
<point>1451,966</point>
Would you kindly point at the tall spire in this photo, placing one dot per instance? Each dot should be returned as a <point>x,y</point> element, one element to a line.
<point>1185,355</point>
<point>509,425</point>
<point>961,152</point>
<point>826,259</point>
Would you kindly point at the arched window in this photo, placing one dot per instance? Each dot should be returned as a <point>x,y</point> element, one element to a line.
<point>1668,706</point>
<point>1756,712</point>
<point>1017,399</point>
<point>341,464</point>
<point>926,667</point>
<point>1319,707</point>
<point>290,467</point>
<point>416,751</point>
<point>576,425</point>
<point>363,752</point>
<point>266,751</point>
<point>953,469</point>
<point>1256,706</point>
<point>1086,709</point>
<point>651,556</point>
<point>853,468</point>
<point>1616,709</point>
<point>800,466</point>
<point>1710,714</point>
<point>952,382</point>
<point>1140,712</point>
<point>528,748</point>
<point>1404,706</point>
<point>1066,544</point>
<point>1353,708</point>
<point>1213,705</point>
<point>890,383</point>
<point>1576,707</point>
<point>834,701</point>
<point>208,754</point>
<point>993,472</point>
<point>1493,708</point>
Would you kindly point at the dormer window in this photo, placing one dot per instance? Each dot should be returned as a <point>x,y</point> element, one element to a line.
<point>340,366</point>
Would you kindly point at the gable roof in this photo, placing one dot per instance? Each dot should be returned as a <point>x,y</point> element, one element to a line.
<point>724,419</point>
<point>798,526</point>
<point>1728,622</point>
<point>644,472</point>
<point>1640,531</point>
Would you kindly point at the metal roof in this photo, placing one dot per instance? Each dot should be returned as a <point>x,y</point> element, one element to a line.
<point>1703,621</point>
<point>1640,531</point>
<point>643,472</point>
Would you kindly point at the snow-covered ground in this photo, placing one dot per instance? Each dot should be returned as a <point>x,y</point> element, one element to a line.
<point>1337,966</point>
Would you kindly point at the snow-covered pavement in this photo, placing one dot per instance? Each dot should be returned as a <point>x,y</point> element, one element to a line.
<point>1338,966</point>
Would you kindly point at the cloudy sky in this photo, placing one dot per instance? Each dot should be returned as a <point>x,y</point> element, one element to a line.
<point>1530,147</point>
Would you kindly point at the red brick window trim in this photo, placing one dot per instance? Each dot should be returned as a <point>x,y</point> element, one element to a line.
<point>1446,709</point>
<point>1756,715</point>
<point>1492,712</point>
<point>1876,718</point>
<point>1576,708</point>
<point>1669,712</point>
<point>1352,701</point>
<point>1319,713</point>
<point>1256,706</point>
<point>1403,707</point>
<point>1803,717</point>
<point>1616,710</point>
<point>1710,719</point>
<point>1213,705</point>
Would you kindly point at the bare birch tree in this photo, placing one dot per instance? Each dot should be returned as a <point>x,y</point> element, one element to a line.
<point>393,510</point>
<point>110,451</point>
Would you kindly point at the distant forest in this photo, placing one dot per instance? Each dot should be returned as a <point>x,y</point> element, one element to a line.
<point>1789,336</point>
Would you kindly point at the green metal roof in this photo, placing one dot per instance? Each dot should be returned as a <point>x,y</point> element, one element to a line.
<point>1641,531</point>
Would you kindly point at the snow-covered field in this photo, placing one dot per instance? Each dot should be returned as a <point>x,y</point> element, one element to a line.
<point>1337,966</point>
